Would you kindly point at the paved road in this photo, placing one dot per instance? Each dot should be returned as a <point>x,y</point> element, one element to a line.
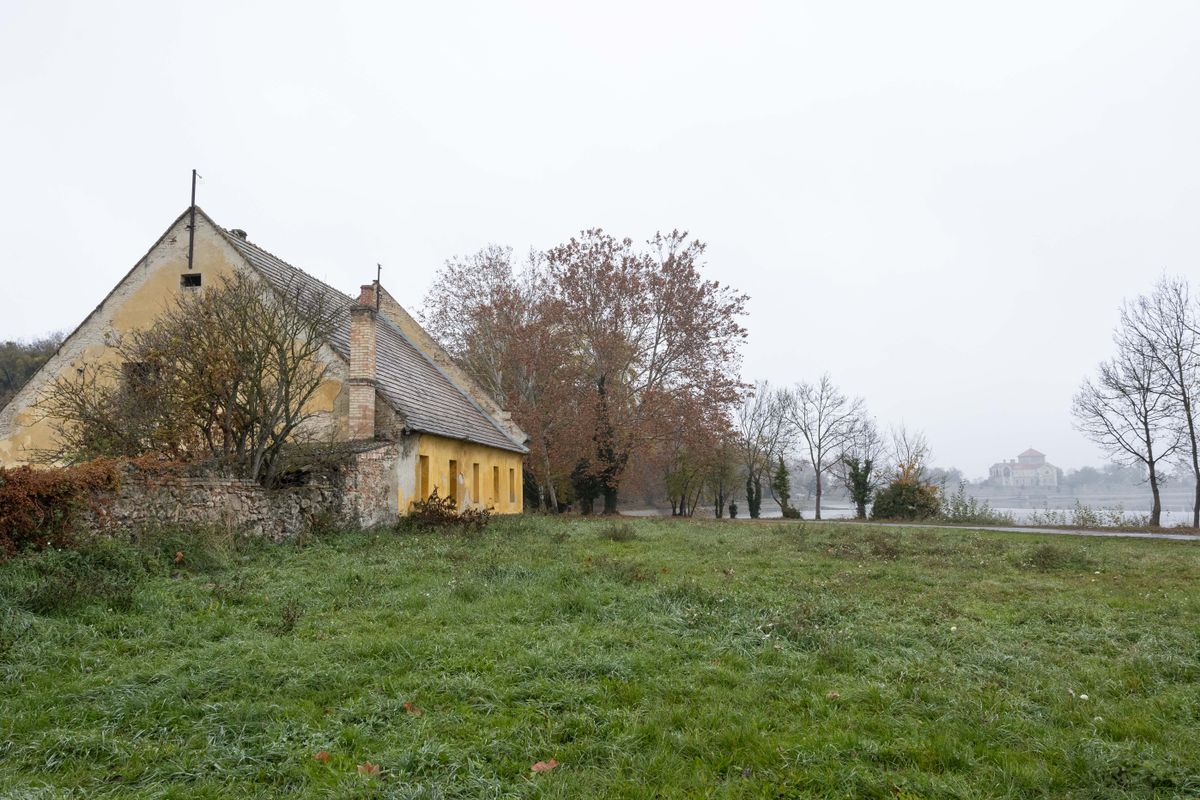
<point>1179,537</point>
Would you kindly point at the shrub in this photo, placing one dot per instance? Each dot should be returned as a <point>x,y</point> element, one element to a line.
<point>790,512</point>
<point>733,509</point>
<point>962,508</point>
<point>442,512</point>
<point>38,506</point>
<point>1084,516</point>
<point>907,499</point>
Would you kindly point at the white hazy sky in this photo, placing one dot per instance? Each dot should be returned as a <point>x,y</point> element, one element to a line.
<point>942,204</point>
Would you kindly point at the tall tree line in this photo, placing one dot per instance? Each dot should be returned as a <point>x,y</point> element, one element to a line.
<point>20,359</point>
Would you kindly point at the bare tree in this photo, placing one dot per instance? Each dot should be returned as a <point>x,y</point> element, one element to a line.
<point>1128,411</point>
<point>860,464</point>
<point>225,373</point>
<point>1164,326</point>
<point>763,434</point>
<point>825,419</point>
<point>910,452</point>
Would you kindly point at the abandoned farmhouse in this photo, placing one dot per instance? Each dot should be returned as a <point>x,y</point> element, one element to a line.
<point>389,389</point>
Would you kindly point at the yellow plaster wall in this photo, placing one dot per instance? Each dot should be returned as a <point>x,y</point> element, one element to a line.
<point>137,300</point>
<point>440,451</point>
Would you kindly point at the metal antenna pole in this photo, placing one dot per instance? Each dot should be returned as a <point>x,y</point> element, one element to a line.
<point>378,272</point>
<point>192,221</point>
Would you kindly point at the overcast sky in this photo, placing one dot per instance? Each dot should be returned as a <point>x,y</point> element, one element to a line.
<point>942,204</point>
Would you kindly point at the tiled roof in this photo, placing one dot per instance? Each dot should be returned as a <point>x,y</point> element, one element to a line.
<point>1031,452</point>
<point>420,392</point>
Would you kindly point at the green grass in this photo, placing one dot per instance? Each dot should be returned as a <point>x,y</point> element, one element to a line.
<point>666,659</point>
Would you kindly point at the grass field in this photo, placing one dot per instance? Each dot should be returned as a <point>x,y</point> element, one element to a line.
<point>648,658</point>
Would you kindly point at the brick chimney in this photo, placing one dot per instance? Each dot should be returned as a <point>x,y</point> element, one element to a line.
<point>362,365</point>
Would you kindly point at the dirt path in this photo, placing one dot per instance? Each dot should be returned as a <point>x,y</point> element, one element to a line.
<point>1179,537</point>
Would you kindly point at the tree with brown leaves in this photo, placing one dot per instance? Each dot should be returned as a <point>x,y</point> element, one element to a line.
<point>646,332</point>
<point>595,347</point>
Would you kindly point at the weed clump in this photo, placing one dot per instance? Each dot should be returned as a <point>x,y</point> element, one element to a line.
<point>624,572</point>
<point>808,623</point>
<point>1049,557</point>
<point>197,548</point>
<point>619,532</point>
<point>884,546</point>
<point>290,613</point>
<point>12,630</point>
<point>55,581</point>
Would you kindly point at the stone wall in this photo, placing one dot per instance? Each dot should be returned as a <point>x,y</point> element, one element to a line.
<point>277,514</point>
<point>368,484</point>
<point>359,494</point>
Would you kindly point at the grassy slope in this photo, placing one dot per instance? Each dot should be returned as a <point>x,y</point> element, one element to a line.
<point>698,659</point>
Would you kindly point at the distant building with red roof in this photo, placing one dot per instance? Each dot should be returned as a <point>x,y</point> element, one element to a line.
<point>1028,470</point>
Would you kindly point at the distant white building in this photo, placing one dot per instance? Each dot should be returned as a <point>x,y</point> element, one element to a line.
<point>1029,470</point>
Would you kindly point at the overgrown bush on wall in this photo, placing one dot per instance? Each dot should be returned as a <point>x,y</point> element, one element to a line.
<point>38,506</point>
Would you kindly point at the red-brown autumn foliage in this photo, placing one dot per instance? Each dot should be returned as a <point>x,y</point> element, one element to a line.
<point>598,347</point>
<point>38,506</point>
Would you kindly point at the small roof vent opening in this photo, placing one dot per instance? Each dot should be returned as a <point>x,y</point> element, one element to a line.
<point>190,280</point>
<point>238,232</point>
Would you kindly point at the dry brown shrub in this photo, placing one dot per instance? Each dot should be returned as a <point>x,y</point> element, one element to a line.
<point>38,507</point>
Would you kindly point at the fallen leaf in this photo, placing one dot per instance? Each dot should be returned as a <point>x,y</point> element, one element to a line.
<point>832,696</point>
<point>178,556</point>
<point>367,768</point>
<point>322,756</point>
<point>413,708</point>
<point>544,766</point>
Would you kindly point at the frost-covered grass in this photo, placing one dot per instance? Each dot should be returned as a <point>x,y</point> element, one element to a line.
<point>650,659</point>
